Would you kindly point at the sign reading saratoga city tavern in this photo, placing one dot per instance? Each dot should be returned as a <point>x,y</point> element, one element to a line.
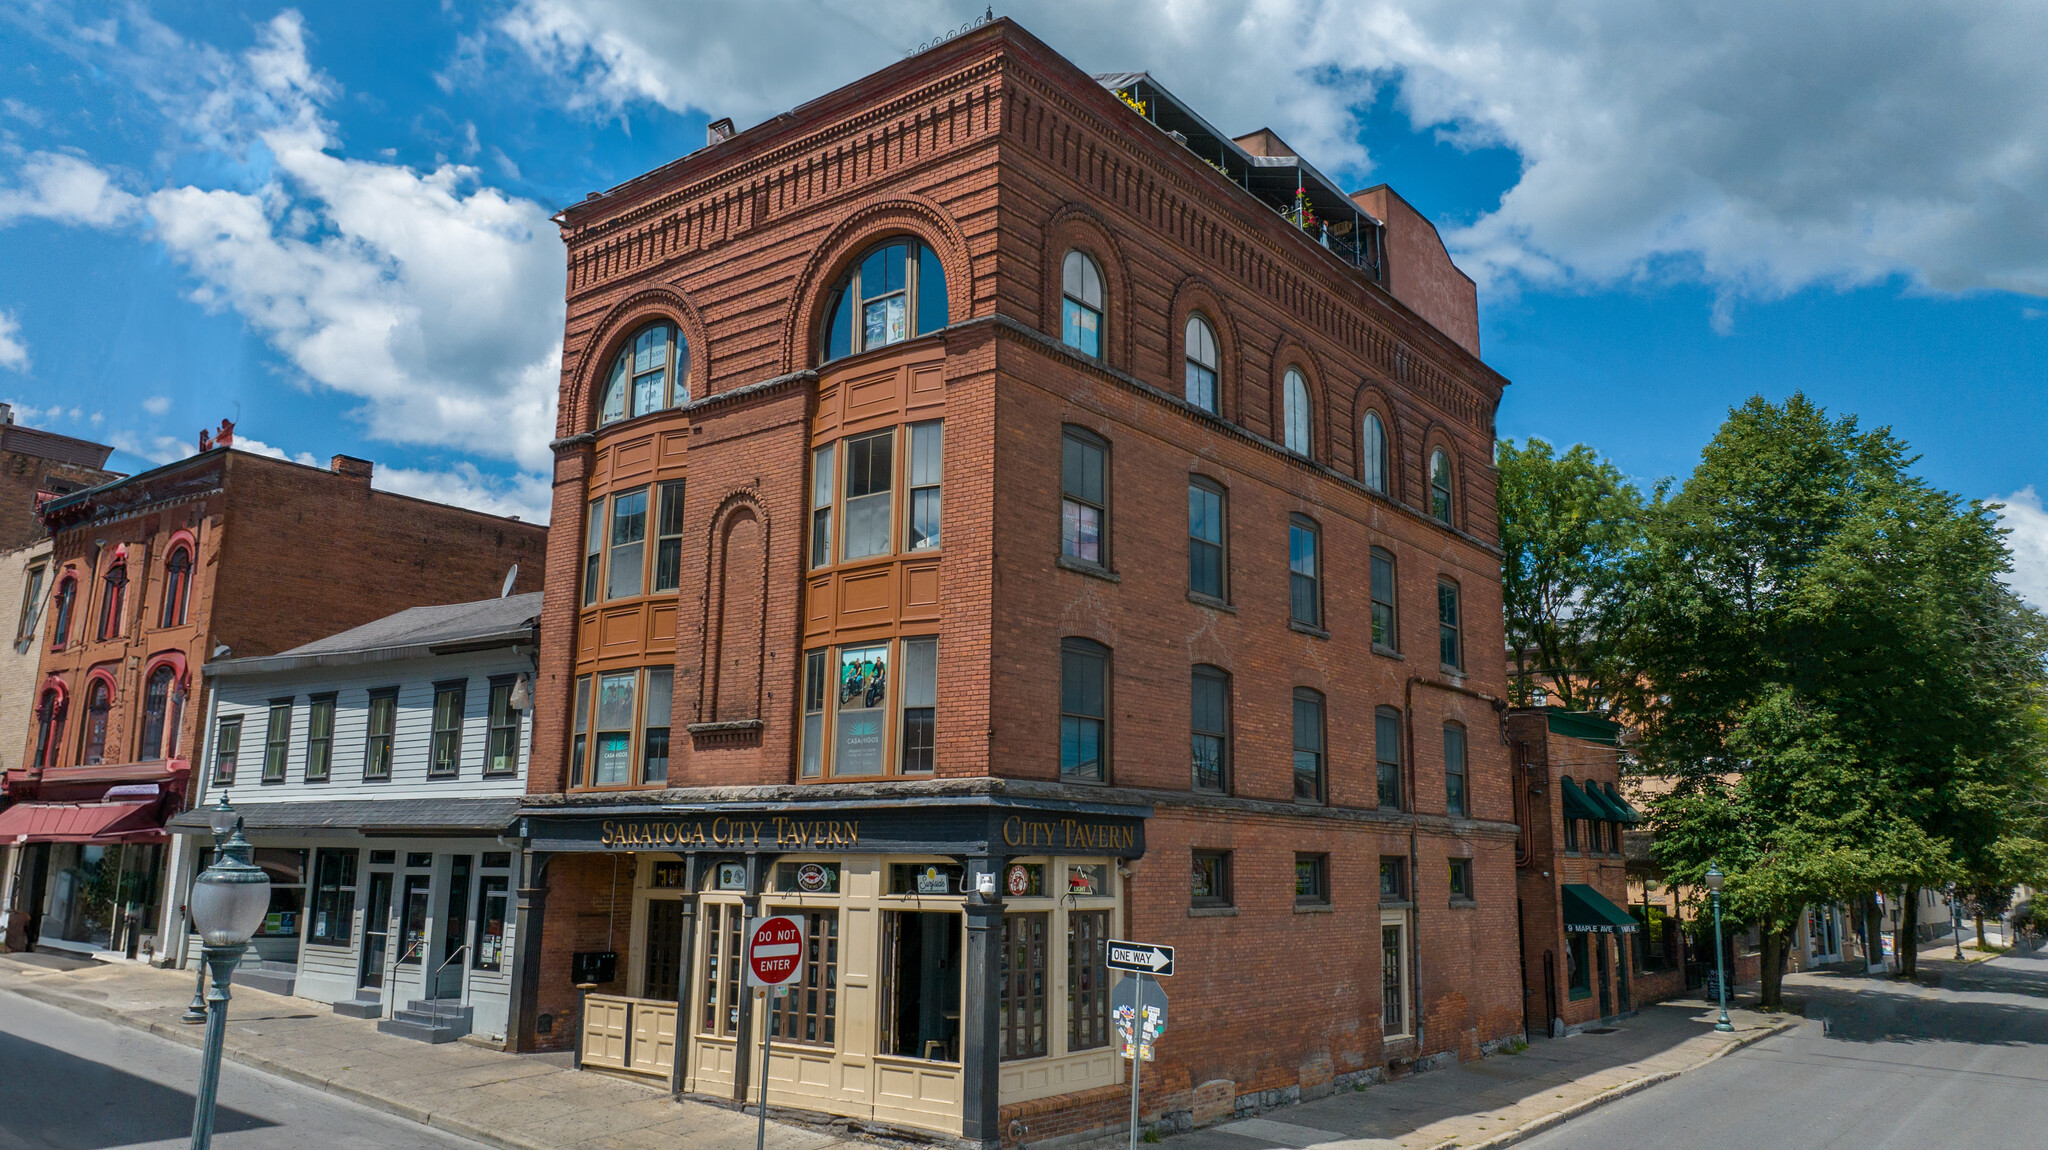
<point>939,828</point>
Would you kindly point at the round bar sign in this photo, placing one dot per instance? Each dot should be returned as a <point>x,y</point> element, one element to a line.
<point>775,950</point>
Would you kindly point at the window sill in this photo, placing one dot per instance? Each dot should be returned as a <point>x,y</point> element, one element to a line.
<point>1092,570</point>
<point>1304,628</point>
<point>1455,674</point>
<point>1464,904</point>
<point>1580,995</point>
<point>1388,653</point>
<point>1212,912</point>
<point>1396,904</point>
<point>1210,601</point>
<point>1572,854</point>
<point>1314,908</point>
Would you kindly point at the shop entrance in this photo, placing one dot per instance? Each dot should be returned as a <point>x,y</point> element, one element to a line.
<point>454,929</point>
<point>414,940</point>
<point>921,1008</point>
<point>376,931</point>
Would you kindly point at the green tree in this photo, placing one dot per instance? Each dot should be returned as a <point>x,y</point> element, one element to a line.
<point>1569,526</point>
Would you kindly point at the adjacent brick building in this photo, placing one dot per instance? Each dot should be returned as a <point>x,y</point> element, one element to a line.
<point>995,512</point>
<point>224,553</point>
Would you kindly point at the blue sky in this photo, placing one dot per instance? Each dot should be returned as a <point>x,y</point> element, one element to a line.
<point>331,221</point>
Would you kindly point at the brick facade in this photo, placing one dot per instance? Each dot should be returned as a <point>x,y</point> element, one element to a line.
<point>999,157</point>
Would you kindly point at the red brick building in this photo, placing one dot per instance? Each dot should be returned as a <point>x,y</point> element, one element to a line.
<point>221,554</point>
<point>37,466</point>
<point>995,512</point>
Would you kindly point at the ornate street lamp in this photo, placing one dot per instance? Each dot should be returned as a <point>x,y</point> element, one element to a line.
<point>1714,881</point>
<point>1955,916</point>
<point>220,820</point>
<point>229,900</point>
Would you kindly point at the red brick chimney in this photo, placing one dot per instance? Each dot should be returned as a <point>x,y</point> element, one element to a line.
<point>352,467</point>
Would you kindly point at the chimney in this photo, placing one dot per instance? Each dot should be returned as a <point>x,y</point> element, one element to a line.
<point>718,131</point>
<point>6,413</point>
<point>352,467</point>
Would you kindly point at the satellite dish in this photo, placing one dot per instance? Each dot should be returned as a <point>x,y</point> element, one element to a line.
<point>511,577</point>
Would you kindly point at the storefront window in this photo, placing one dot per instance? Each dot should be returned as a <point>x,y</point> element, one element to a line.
<point>1087,979</point>
<point>490,922</point>
<point>1393,981</point>
<point>1578,967</point>
<point>925,879</point>
<point>334,898</point>
<point>722,923</point>
<point>921,995</point>
<point>287,870</point>
<point>1022,1014</point>
<point>807,1013</point>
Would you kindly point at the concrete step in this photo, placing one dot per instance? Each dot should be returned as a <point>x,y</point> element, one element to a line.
<point>419,1029</point>
<point>359,1007</point>
<point>274,977</point>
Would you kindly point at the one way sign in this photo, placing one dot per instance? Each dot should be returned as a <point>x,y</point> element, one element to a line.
<point>1141,957</point>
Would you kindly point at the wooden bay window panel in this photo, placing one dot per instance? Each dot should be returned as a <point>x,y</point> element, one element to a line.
<point>809,1012</point>
<point>1022,1014</point>
<point>1088,979</point>
<point>612,755</point>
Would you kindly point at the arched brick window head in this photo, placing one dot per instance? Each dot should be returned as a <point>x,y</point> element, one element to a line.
<point>99,700</point>
<point>49,726</point>
<point>897,291</point>
<point>651,372</point>
<point>1296,414</point>
<point>1440,485</point>
<point>1201,364</point>
<point>177,587</point>
<point>156,705</point>
<point>1081,304</point>
<point>1373,449</point>
<point>112,595</point>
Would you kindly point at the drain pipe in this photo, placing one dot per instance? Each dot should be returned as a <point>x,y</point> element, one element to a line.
<point>1414,827</point>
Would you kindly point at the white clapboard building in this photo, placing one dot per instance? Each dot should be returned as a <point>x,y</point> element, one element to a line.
<point>376,772</point>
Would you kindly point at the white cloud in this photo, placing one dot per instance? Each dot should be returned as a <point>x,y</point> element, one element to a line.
<point>156,448</point>
<point>2028,522</point>
<point>13,352</point>
<point>1755,146</point>
<point>526,495</point>
<point>157,404</point>
<point>61,187</point>
<point>258,447</point>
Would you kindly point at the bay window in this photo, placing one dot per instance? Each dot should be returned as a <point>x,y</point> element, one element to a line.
<point>620,733</point>
<point>853,493</point>
<point>870,709</point>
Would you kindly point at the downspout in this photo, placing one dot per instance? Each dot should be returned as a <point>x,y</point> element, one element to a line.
<point>1414,826</point>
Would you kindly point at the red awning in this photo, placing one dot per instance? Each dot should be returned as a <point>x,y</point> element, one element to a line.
<point>80,823</point>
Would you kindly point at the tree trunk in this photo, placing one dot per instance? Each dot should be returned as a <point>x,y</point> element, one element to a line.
<point>1908,943</point>
<point>1980,930</point>
<point>1777,949</point>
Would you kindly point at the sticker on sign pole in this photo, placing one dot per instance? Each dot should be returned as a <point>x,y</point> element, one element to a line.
<point>775,950</point>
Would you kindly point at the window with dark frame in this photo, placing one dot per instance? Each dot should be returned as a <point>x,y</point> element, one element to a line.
<point>1084,497</point>
<point>450,701</point>
<point>579,743</point>
<point>815,681</point>
<point>1393,980</point>
<point>1311,880</point>
<point>1454,769</point>
<point>898,287</point>
<point>1296,416</point>
<point>1211,883</point>
<point>1440,485</point>
<point>1309,784</point>
<point>1450,647</point>
<point>99,706</point>
<point>1571,835</point>
<point>1385,634</point>
<point>593,551</point>
<point>156,705</point>
<point>50,728</point>
<point>1208,561</point>
<point>31,602</point>
<point>1304,571</point>
<point>1386,753</point>
<point>380,727</point>
<point>822,473</point>
<point>334,898</point>
<point>1022,1015</point>
<point>277,740</point>
<point>1461,880</point>
<point>723,926</point>
<point>1087,979</point>
<point>1202,370</point>
<point>650,373</point>
<point>1084,711</point>
<point>657,703</point>
<point>1081,304</point>
<point>60,623</point>
<point>113,595</point>
<point>927,467</point>
<point>668,545</point>
<point>319,738</point>
<point>227,749</point>
<point>501,746</point>
<point>1393,878</point>
<point>1209,723</point>
<point>487,950</point>
<point>808,1013</point>
<point>177,587</point>
<point>920,691</point>
<point>1578,967</point>
<point>1373,451</point>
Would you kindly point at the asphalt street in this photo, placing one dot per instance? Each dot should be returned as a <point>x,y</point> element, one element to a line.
<point>1877,1065</point>
<point>73,1083</point>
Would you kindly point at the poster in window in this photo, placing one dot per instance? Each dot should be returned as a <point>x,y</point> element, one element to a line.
<point>863,689</point>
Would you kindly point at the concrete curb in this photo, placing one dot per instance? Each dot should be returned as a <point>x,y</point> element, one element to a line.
<point>194,1036</point>
<point>1537,1126</point>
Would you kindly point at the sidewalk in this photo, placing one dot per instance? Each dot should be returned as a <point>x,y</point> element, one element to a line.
<point>1502,1100</point>
<point>514,1102</point>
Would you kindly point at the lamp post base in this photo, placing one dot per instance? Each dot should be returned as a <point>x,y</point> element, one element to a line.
<point>196,1012</point>
<point>222,962</point>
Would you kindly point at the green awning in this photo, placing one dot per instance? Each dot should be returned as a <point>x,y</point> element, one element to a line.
<point>1577,805</point>
<point>1587,911</point>
<point>1629,814</point>
<point>1606,802</point>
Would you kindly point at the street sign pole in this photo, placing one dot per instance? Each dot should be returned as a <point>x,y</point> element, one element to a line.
<point>761,1126</point>
<point>775,958</point>
<point>1137,1055</point>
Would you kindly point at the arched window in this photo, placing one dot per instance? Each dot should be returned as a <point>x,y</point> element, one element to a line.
<point>896,288</point>
<point>156,703</point>
<point>60,624</point>
<point>99,699</point>
<point>1440,485</point>
<point>651,372</point>
<point>1201,356</point>
<point>1081,304</point>
<point>112,595</point>
<point>49,726</point>
<point>177,587</point>
<point>1296,413</point>
<point>1372,449</point>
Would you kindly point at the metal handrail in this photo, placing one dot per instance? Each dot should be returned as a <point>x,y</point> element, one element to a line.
<point>434,980</point>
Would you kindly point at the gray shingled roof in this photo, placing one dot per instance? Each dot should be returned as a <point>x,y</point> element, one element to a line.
<point>412,633</point>
<point>378,816</point>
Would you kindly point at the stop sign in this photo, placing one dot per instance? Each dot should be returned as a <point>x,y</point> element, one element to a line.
<point>775,950</point>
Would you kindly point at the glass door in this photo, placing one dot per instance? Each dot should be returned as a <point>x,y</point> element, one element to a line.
<point>414,939</point>
<point>376,931</point>
<point>454,929</point>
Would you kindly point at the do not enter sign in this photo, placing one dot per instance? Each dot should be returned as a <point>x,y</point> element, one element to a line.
<point>775,950</point>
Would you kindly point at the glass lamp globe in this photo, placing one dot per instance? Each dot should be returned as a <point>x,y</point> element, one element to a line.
<point>230,898</point>
<point>1714,878</point>
<point>221,819</point>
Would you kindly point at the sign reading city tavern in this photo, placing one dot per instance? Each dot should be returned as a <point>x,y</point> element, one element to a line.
<point>934,829</point>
